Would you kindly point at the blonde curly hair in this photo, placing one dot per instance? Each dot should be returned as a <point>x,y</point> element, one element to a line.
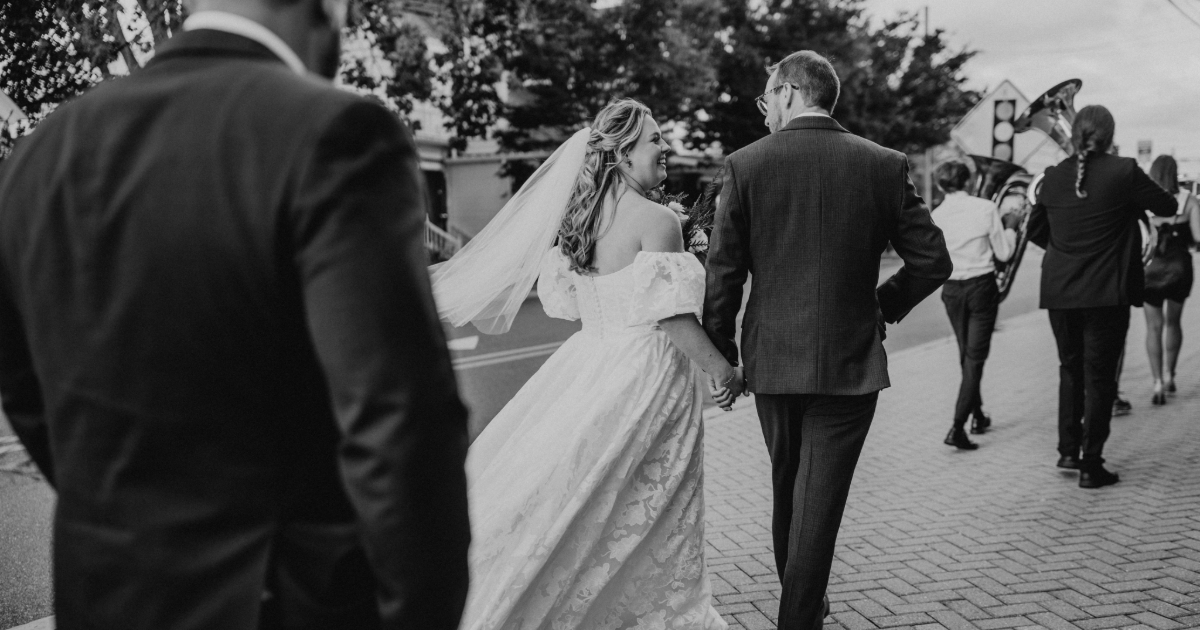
<point>614,132</point>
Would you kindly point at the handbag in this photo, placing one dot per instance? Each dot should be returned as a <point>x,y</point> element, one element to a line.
<point>1164,270</point>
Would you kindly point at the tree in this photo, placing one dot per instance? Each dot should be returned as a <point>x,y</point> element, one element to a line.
<point>385,56</point>
<point>907,102</point>
<point>899,90</point>
<point>561,61</point>
<point>53,50</point>
<point>751,39</point>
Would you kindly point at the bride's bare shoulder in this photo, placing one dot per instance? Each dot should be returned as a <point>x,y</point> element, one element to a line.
<point>659,226</point>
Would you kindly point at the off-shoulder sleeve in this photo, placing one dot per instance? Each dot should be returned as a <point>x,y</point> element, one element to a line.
<point>556,287</point>
<point>665,284</point>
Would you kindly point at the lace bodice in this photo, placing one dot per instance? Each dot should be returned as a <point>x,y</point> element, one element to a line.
<point>655,286</point>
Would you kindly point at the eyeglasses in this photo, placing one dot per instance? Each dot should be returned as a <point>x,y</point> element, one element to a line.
<point>761,100</point>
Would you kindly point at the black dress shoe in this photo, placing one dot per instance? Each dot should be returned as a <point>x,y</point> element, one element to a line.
<point>981,423</point>
<point>1097,477</point>
<point>1121,407</point>
<point>1068,461</point>
<point>958,439</point>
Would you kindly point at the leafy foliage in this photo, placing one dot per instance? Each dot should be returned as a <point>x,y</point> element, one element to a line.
<point>899,89</point>
<point>386,57</point>
<point>560,61</point>
<point>52,50</point>
<point>751,39</point>
<point>478,43</point>
<point>529,72</point>
<point>908,103</point>
<point>532,71</point>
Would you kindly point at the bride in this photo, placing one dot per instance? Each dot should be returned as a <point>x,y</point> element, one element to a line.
<point>586,490</point>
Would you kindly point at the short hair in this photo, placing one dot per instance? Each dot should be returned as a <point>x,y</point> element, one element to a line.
<point>813,75</point>
<point>952,175</point>
<point>1165,172</point>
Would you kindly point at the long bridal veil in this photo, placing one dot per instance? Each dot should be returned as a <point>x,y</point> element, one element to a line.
<point>486,281</point>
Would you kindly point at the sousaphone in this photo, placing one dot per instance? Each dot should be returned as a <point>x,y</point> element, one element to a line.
<point>1015,189</point>
<point>1006,185</point>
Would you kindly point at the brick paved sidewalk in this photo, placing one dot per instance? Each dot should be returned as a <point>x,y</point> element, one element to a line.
<point>934,537</point>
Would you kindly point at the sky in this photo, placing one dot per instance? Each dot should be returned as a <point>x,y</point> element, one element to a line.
<point>1138,58</point>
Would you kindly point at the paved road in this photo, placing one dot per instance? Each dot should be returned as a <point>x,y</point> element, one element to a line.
<point>25,507</point>
<point>490,370</point>
<point>935,538</point>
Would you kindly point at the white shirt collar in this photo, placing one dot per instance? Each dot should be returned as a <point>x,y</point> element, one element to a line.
<point>238,25</point>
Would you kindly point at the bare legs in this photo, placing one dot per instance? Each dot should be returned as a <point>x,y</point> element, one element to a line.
<point>1172,339</point>
<point>1164,336</point>
<point>1154,349</point>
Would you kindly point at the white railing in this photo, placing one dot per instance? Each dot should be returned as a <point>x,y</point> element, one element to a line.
<point>441,242</point>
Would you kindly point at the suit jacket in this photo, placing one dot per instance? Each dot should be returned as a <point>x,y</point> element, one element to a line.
<point>1093,245</point>
<point>808,211</point>
<point>218,341</point>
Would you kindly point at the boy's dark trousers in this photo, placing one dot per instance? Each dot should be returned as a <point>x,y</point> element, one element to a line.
<point>972,305</point>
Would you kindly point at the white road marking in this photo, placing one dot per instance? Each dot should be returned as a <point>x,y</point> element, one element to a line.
<point>506,356</point>
<point>464,343</point>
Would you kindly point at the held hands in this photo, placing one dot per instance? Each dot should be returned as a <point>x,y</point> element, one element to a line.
<point>1011,221</point>
<point>728,391</point>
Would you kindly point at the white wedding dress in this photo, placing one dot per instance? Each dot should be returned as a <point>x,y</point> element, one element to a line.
<point>586,491</point>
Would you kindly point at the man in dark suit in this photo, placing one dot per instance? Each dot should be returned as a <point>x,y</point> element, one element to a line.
<point>808,211</point>
<point>1086,219</point>
<point>218,342</point>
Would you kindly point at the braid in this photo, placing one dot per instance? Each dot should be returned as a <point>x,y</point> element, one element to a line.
<point>1091,132</point>
<point>1081,157</point>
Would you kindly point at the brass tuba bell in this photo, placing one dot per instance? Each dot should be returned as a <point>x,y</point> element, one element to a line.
<point>1053,113</point>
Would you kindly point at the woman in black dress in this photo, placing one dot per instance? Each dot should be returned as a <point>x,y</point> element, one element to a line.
<point>1169,279</point>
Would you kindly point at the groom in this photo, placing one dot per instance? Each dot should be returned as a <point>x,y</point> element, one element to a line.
<point>218,342</point>
<point>808,210</point>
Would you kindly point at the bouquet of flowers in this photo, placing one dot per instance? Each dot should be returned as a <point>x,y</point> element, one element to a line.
<point>697,221</point>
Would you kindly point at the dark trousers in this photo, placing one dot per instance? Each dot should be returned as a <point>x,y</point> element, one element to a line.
<point>972,305</point>
<point>814,441</point>
<point>1090,341</point>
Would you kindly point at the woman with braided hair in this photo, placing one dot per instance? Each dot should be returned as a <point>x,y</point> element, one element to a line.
<point>586,491</point>
<point>1086,219</point>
